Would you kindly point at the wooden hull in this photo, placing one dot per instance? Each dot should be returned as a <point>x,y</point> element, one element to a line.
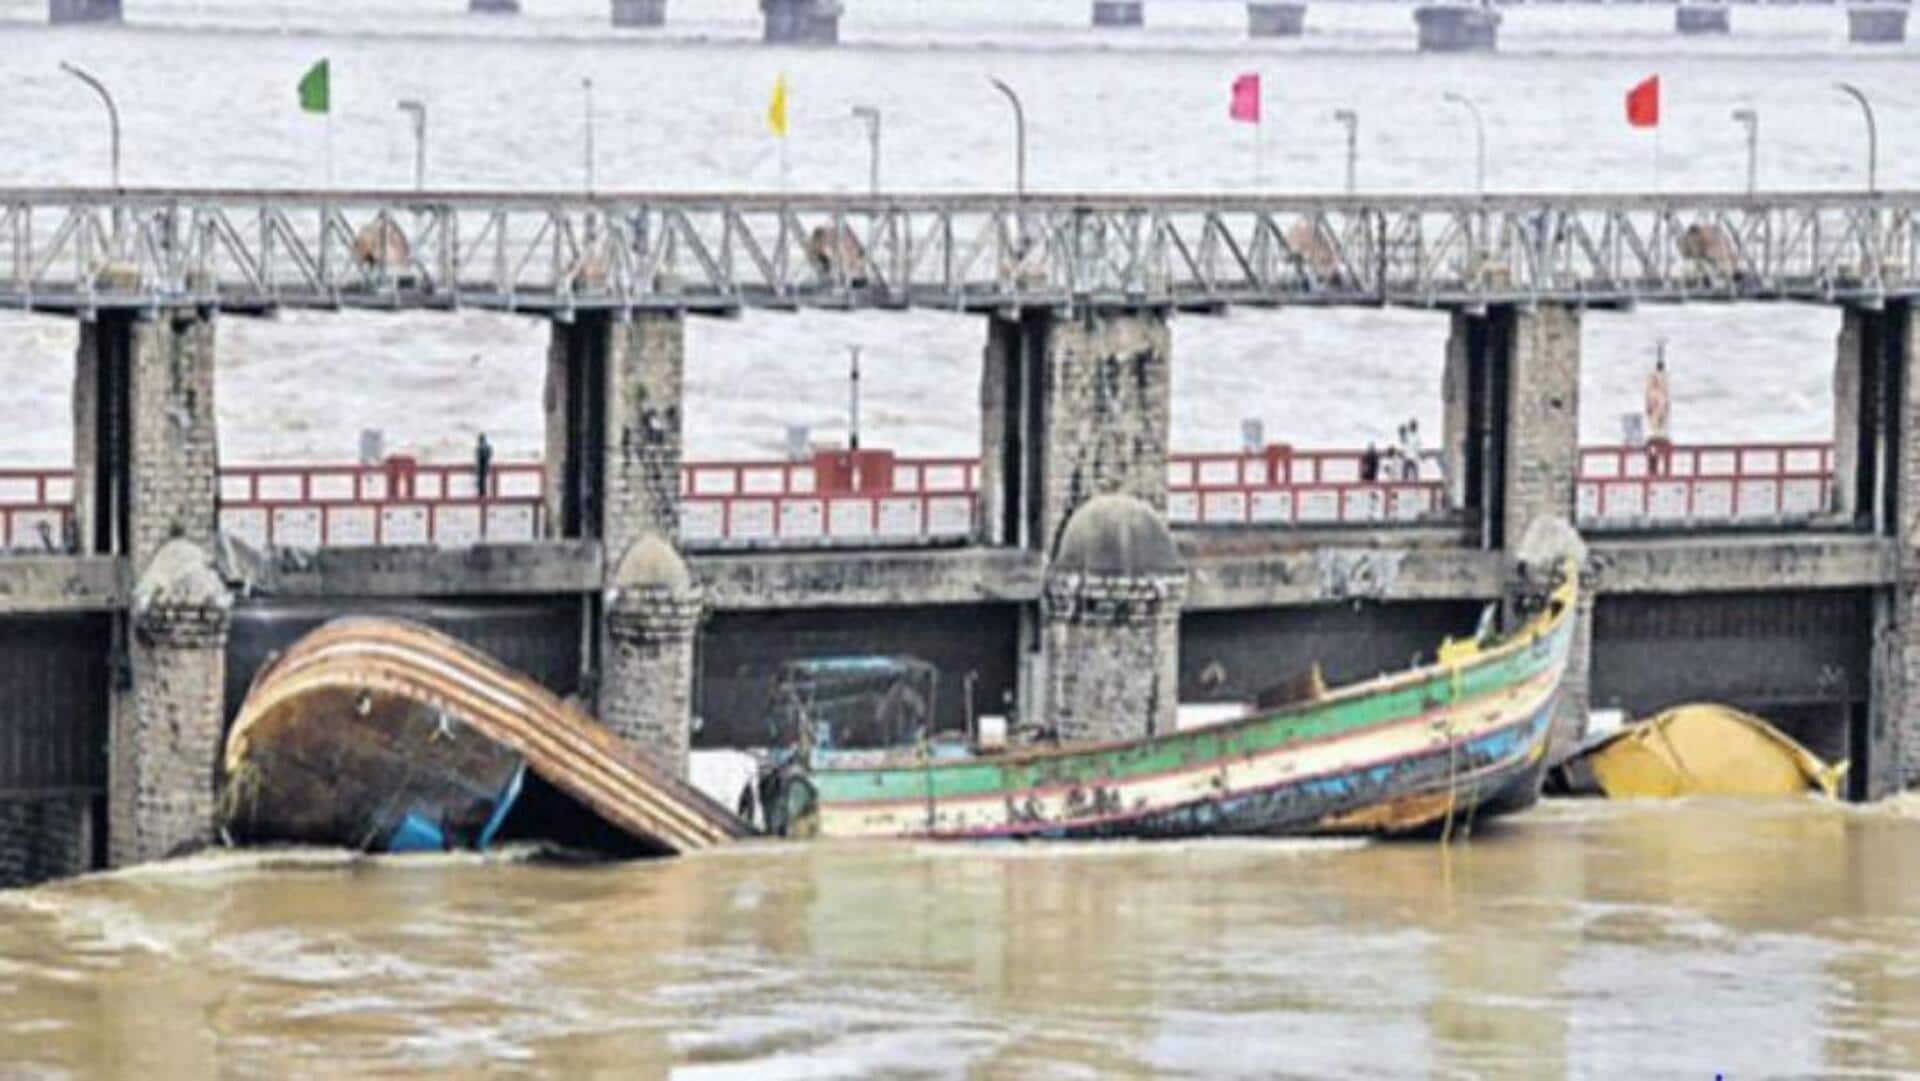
<point>382,735</point>
<point>1458,738</point>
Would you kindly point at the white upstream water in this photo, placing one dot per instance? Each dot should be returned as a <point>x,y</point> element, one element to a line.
<point>206,89</point>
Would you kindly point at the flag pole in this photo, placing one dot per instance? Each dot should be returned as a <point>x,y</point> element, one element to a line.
<point>1656,159</point>
<point>1260,152</point>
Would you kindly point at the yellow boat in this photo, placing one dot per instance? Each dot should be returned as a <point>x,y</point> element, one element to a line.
<point>1706,750</point>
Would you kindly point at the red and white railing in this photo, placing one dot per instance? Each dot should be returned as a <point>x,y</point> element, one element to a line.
<point>399,502</point>
<point>874,498</point>
<point>1281,486</point>
<point>36,506</point>
<point>835,498</point>
<point>1624,486</point>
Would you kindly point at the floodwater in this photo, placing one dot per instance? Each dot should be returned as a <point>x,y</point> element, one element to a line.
<point>206,89</point>
<point>1580,940</point>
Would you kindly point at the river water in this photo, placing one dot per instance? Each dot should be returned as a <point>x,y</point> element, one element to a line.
<point>1580,940</point>
<point>206,89</point>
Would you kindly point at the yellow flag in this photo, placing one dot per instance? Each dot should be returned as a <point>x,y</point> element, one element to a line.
<point>777,107</point>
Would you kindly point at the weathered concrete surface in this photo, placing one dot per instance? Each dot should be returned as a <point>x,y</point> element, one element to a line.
<point>175,452</point>
<point>164,750</point>
<point>1110,636</point>
<point>1230,573</point>
<point>1740,564</point>
<point>43,839</point>
<point>1543,410</point>
<point>486,570</point>
<point>1092,419</point>
<point>633,488</point>
<point>494,7</point>
<point>1456,397</point>
<point>652,609</point>
<point>32,585</point>
<point>1846,411</point>
<point>770,581</point>
<point>1895,721</point>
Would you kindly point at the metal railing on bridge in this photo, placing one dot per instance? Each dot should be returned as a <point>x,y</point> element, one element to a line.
<point>85,250</point>
<point>876,499</point>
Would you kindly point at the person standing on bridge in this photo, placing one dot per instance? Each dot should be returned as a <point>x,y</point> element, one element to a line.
<point>1410,451</point>
<point>482,466</point>
<point>1659,407</point>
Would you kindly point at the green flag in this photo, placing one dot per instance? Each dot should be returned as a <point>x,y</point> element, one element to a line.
<point>316,90</point>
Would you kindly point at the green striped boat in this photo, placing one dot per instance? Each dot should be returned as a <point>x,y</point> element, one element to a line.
<point>1464,735</point>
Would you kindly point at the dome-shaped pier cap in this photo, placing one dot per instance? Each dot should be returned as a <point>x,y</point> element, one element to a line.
<point>1116,536</point>
<point>651,565</point>
<point>181,576</point>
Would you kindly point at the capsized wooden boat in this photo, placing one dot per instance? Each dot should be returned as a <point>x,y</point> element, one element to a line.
<point>384,735</point>
<point>1704,750</point>
<point>1463,736</point>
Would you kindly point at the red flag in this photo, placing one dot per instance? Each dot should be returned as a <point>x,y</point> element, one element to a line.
<point>1643,103</point>
<point>1246,99</point>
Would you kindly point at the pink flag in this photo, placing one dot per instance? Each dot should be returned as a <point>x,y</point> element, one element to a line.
<point>1246,99</point>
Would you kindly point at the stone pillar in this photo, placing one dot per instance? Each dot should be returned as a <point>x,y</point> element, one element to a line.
<point>164,750</point>
<point>1456,398</point>
<point>1692,19</point>
<point>1110,634</point>
<point>60,12</point>
<point>1073,406</point>
<point>639,14</point>
<point>1843,499</point>
<point>1893,724</point>
<point>1877,25</point>
<point>613,407</point>
<point>146,450</point>
<point>801,22</point>
<point>1543,416</point>
<point>1457,28</point>
<point>652,610</point>
<point>1276,20</point>
<point>1119,13</point>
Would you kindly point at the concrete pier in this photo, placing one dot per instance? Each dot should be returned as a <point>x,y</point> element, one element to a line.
<point>1276,20</point>
<point>494,7</point>
<point>1073,406</point>
<point>653,607</point>
<point>1119,13</point>
<point>1457,28</point>
<point>61,12</point>
<point>613,406</point>
<point>1876,25</point>
<point>1695,19</point>
<point>801,22</point>
<point>167,734</point>
<point>639,14</point>
<point>1111,633</point>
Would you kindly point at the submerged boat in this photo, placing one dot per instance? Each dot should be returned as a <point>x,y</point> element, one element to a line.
<point>383,735</point>
<point>1463,736</point>
<point>1700,750</point>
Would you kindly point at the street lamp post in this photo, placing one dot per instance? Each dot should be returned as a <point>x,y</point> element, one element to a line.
<point>1873,133</point>
<point>871,116</point>
<point>1352,121</point>
<point>586,85</point>
<point>1020,137</point>
<point>1750,119</point>
<point>418,111</point>
<point>1479,140</point>
<point>113,111</point>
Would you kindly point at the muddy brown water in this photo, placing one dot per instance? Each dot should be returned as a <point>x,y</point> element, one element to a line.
<point>1582,940</point>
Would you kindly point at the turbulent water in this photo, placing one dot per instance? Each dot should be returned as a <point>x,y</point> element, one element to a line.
<point>1582,940</point>
<point>207,94</point>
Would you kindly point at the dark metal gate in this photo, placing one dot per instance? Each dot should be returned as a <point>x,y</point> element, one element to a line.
<point>54,676</point>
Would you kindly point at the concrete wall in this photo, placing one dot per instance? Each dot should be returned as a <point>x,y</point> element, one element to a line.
<point>165,748</point>
<point>175,445</point>
<point>1543,440</point>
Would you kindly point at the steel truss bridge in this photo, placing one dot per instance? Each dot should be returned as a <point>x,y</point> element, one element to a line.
<point>83,251</point>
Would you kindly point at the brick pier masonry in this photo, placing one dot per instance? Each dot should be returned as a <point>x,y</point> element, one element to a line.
<point>1074,604</point>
